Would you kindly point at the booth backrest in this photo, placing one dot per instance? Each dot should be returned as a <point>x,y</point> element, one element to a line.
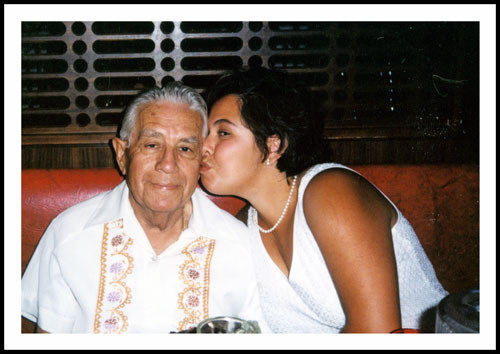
<point>440,201</point>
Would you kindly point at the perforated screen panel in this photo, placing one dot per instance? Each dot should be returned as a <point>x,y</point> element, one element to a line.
<point>373,80</point>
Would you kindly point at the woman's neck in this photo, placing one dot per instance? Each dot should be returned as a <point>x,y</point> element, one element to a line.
<point>270,198</point>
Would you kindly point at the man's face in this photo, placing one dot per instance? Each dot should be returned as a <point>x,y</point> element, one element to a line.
<point>163,161</point>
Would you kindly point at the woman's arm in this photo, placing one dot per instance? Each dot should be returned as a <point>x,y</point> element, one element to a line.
<point>352,222</point>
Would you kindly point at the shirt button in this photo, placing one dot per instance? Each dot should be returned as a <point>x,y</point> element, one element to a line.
<point>154,258</point>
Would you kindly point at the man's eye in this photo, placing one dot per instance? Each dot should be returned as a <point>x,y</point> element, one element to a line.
<point>150,145</point>
<point>186,149</point>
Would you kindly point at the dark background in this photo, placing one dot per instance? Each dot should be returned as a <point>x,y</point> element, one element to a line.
<point>391,92</point>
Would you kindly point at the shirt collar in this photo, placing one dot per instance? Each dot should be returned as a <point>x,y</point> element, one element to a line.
<point>113,206</point>
<point>206,218</point>
<point>210,221</point>
<point>196,222</point>
<point>116,205</point>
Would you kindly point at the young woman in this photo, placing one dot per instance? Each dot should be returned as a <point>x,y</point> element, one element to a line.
<point>332,253</point>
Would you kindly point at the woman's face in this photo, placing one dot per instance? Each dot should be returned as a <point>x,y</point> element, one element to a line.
<point>231,159</point>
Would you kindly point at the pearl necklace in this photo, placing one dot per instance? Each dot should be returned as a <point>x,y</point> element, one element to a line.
<point>282,213</point>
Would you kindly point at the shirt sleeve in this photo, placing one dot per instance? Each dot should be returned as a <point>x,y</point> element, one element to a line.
<point>45,296</point>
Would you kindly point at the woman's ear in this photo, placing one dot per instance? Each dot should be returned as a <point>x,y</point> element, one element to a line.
<point>120,147</point>
<point>273,146</point>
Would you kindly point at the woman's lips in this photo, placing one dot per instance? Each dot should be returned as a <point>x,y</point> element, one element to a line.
<point>204,167</point>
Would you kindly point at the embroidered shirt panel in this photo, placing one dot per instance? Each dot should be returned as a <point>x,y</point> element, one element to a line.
<point>195,274</point>
<point>114,293</point>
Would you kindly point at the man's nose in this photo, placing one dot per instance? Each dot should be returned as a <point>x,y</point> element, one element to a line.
<point>167,161</point>
<point>207,147</point>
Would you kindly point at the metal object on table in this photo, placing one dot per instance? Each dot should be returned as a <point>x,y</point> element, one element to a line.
<point>227,324</point>
<point>458,313</point>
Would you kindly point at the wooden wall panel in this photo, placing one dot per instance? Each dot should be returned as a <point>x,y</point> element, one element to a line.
<point>390,92</point>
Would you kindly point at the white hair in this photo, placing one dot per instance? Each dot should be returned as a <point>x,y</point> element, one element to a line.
<point>171,92</point>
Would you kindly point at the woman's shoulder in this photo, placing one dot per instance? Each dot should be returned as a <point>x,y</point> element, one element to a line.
<point>342,190</point>
<point>334,180</point>
<point>328,174</point>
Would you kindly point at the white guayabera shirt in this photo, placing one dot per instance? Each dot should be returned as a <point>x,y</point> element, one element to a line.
<point>95,271</point>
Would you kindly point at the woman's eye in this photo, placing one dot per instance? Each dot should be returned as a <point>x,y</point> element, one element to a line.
<point>223,133</point>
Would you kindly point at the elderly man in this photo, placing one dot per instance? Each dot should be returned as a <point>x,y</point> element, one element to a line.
<point>154,254</point>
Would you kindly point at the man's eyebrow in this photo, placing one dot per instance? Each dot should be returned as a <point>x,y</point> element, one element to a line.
<point>149,133</point>
<point>154,134</point>
<point>191,140</point>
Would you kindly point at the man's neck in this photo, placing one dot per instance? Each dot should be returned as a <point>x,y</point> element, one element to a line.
<point>163,229</point>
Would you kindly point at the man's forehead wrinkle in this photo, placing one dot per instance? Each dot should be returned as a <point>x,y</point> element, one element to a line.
<point>155,134</point>
<point>174,121</point>
<point>149,132</point>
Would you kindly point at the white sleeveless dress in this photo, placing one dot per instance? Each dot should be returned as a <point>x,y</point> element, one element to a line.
<point>307,301</point>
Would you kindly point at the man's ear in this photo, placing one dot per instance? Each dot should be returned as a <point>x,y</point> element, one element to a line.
<point>120,147</point>
<point>273,145</point>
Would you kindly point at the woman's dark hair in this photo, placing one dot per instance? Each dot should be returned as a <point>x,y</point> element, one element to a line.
<point>272,104</point>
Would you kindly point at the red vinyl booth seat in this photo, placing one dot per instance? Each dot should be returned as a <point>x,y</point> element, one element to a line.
<point>440,201</point>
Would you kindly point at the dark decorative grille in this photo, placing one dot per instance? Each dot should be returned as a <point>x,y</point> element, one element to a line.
<point>391,82</point>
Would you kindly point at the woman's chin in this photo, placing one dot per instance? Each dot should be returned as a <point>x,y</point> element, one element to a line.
<point>205,184</point>
<point>209,185</point>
